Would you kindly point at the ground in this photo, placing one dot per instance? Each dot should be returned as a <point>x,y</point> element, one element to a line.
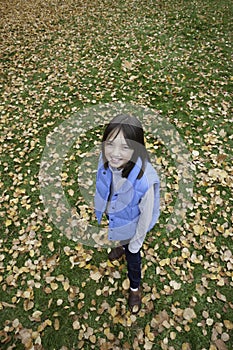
<point>62,61</point>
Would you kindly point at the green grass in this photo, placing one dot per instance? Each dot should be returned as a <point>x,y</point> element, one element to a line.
<point>59,58</point>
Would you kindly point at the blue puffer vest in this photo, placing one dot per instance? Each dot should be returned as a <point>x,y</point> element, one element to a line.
<point>123,211</point>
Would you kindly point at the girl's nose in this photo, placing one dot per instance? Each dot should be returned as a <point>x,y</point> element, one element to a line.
<point>116,151</point>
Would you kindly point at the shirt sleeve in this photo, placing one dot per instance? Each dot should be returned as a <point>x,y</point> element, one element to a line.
<point>146,211</point>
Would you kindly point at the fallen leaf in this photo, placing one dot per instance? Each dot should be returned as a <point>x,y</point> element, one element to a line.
<point>175,285</point>
<point>51,246</point>
<point>76,325</point>
<point>220,296</point>
<point>228,324</point>
<point>220,344</point>
<point>189,314</point>
<point>126,284</point>
<point>56,324</point>
<point>95,275</point>
<point>186,346</point>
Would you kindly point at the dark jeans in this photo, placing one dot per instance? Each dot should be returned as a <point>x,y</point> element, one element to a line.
<point>134,267</point>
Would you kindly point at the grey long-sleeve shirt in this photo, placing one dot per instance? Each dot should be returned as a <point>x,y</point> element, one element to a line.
<point>145,207</point>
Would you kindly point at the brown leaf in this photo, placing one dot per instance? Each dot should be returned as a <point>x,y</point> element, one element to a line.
<point>127,65</point>
<point>44,325</point>
<point>28,304</point>
<point>189,314</point>
<point>26,337</point>
<point>36,316</point>
<point>220,344</point>
<point>157,321</point>
<point>200,289</point>
<point>220,296</point>
<point>4,304</point>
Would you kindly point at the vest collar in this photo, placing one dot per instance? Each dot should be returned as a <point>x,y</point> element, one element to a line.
<point>131,179</point>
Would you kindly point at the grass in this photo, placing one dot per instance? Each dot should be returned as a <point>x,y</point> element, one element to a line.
<point>59,58</point>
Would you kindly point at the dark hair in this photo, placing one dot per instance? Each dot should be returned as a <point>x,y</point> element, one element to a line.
<point>133,133</point>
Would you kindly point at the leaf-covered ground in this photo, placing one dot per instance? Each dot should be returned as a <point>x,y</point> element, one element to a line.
<point>58,57</point>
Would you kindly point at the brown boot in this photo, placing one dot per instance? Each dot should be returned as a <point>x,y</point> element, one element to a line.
<point>116,253</point>
<point>135,301</point>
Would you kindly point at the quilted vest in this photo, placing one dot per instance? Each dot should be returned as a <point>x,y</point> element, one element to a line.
<point>123,209</point>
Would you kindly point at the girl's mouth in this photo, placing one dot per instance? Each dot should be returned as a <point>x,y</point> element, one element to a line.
<point>116,160</point>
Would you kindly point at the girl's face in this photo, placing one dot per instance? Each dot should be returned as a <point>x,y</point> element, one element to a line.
<point>117,151</point>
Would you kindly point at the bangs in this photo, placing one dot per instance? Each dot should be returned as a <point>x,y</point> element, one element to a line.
<point>113,133</point>
<point>127,135</point>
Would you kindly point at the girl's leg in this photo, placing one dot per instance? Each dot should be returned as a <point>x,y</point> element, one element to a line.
<point>134,267</point>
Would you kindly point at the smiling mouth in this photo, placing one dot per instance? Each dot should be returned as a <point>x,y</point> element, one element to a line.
<point>116,160</point>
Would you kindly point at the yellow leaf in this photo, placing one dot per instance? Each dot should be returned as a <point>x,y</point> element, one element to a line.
<point>146,298</point>
<point>54,286</point>
<point>164,262</point>
<point>66,285</point>
<point>109,264</point>
<point>8,222</point>
<point>147,329</point>
<point>56,324</point>
<point>51,246</point>
<point>32,253</point>
<point>108,334</point>
<point>48,228</point>
<point>44,325</point>
<point>87,267</point>
<point>198,229</point>
<point>228,324</point>
<point>170,250</point>
<point>92,339</point>
<point>113,311</point>
<point>186,346</point>
<point>151,336</point>
<point>126,284</point>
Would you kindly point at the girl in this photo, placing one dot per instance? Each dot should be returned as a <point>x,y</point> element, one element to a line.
<point>127,190</point>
